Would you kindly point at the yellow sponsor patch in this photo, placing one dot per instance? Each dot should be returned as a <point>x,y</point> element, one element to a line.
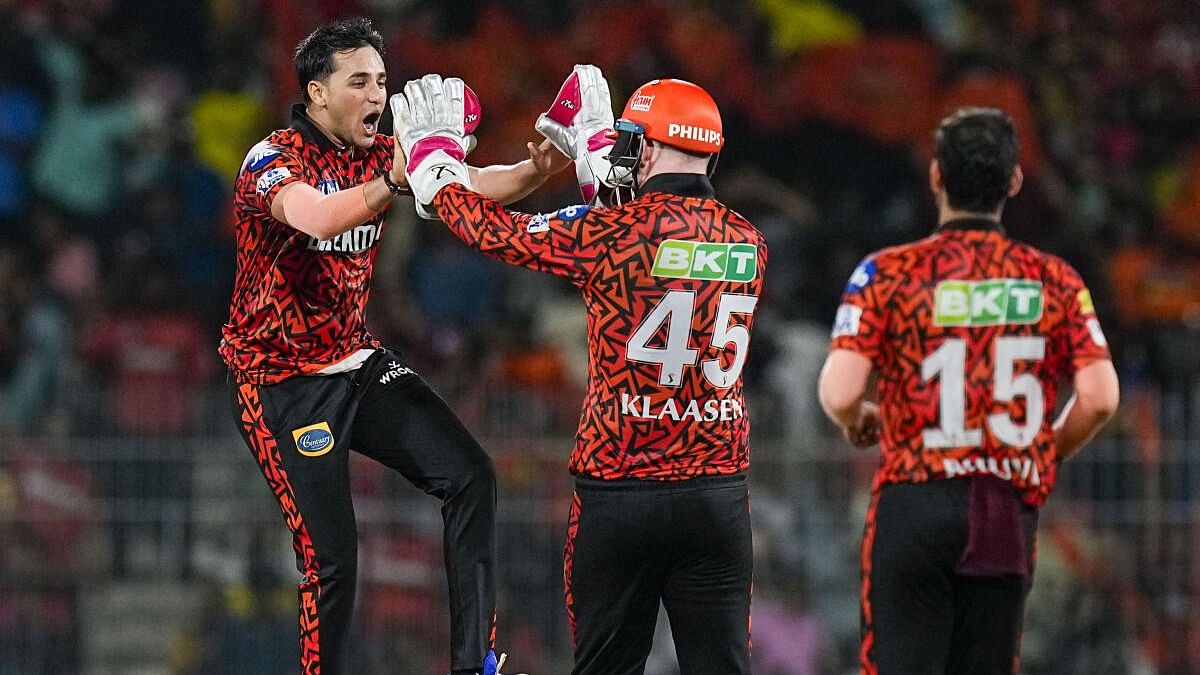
<point>313,440</point>
<point>1085,302</point>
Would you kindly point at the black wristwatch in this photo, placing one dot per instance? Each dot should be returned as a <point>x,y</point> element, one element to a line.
<point>392,186</point>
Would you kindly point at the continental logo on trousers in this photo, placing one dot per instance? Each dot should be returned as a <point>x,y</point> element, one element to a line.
<point>704,260</point>
<point>313,440</point>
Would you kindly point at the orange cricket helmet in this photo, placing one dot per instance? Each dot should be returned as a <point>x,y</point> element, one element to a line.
<point>677,113</point>
<point>669,111</point>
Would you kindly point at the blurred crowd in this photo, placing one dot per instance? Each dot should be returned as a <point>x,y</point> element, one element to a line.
<point>124,122</point>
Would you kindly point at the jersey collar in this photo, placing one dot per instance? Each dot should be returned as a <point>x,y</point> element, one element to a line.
<point>681,184</point>
<point>978,224</point>
<point>309,132</point>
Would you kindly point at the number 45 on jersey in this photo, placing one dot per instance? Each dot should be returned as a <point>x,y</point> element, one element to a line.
<point>676,309</point>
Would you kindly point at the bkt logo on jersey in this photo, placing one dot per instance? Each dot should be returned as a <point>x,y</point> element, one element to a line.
<point>703,260</point>
<point>313,440</point>
<point>693,133</point>
<point>994,302</point>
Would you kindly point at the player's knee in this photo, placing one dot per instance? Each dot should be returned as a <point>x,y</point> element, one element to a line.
<point>479,478</point>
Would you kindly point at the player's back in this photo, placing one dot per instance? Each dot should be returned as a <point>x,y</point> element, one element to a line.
<point>970,332</point>
<point>670,305</point>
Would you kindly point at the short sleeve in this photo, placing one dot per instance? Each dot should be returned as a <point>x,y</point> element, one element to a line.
<point>860,324</point>
<point>267,168</point>
<point>1078,339</point>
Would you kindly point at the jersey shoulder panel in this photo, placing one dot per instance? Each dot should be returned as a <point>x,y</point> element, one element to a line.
<point>269,165</point>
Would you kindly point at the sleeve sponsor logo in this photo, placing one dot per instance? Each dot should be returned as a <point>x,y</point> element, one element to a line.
<point>862,276</point>
<point>261,155</point>
<point>538,223</point>
<point>1093,326</point>
<point>572,213</point>
<point>847,320</point>
<point>681,259</point>
<point>992,302</point>
<point>1084,297</point>
<point>272,178</point>
<point>313,440</point>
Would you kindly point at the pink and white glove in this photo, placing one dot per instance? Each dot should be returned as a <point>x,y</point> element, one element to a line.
<point>579,123</point>
<point>430,125</point>
<point>472,115</point>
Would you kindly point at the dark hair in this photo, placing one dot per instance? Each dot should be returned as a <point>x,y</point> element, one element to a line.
<point>977,152</point>
<point>314,55</point>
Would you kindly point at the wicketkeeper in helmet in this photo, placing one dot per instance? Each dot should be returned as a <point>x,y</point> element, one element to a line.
<point>670,279</point>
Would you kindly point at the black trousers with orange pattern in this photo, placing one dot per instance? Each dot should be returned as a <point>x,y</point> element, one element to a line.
<point>301,432</point>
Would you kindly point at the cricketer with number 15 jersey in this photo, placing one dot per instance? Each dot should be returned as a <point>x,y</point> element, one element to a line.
<point>970,332</point>
<point>670,282</point>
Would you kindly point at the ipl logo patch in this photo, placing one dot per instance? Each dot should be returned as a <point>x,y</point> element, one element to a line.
<point>313,440</point>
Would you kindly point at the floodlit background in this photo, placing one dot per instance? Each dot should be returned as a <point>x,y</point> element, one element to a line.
<point>136,533</point>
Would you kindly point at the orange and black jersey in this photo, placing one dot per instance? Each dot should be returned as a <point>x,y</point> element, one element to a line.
<point>298,302</point>
<point>970,332</point>
<point>670,282</point>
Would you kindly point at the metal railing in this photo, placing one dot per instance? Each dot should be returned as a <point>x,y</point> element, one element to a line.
<point>167,555</point>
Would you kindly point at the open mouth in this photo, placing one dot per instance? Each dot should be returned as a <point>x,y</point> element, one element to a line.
<point>371,123</point>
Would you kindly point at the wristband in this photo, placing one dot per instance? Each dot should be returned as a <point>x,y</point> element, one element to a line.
<point>393,187</point>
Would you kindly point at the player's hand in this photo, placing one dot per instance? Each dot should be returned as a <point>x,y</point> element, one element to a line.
<point>546,158</point>
<point>399,160</point>
<point>430,124</point>
<point>472,116</point>
<point>865,430</point>
<point>578,124</point>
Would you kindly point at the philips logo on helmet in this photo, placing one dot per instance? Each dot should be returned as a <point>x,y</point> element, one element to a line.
<point>694,133</point>
<point>314,440</point>
<point>641,102</point>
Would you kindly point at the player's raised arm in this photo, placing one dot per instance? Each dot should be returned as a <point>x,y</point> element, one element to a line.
<point>577,127</point>
<point>325,216</point>
<point>507,183</point>
<point>444,187</point>
<point>418,133</point>
<point>580,124</point>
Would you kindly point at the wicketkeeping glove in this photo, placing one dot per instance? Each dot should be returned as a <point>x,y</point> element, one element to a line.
<point>430,127</point>
<point>472,115</point>
<point>578,123</point>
